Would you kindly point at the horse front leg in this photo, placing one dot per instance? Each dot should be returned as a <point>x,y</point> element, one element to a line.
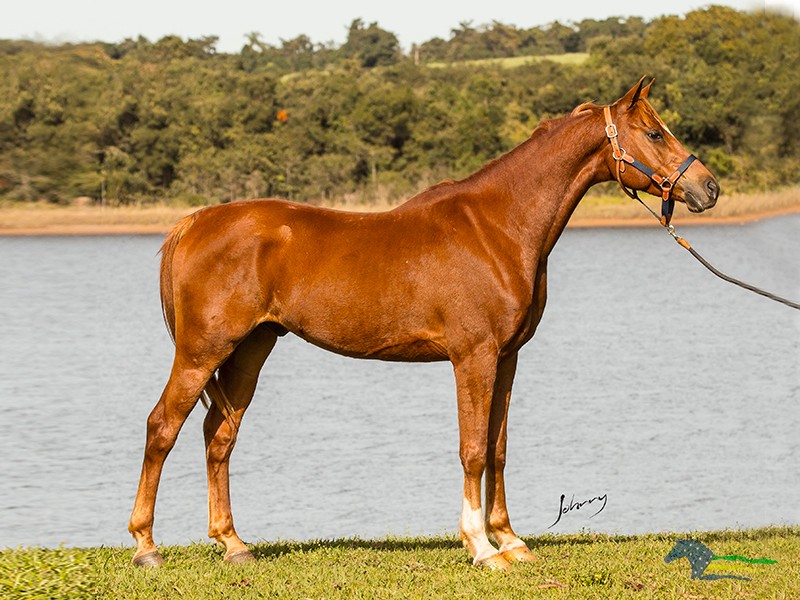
<point>475,377</point>
<point>498,525</point>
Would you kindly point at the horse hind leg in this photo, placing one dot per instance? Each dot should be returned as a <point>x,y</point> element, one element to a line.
<point>180,395</point>
<point>237,379</point>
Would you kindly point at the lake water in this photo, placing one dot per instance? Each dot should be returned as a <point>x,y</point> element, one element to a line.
<point>649,380</point>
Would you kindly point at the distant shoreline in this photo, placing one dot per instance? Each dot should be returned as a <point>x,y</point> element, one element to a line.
<point>743,219</point>
<point>45,220</point>
<point>85,230</point>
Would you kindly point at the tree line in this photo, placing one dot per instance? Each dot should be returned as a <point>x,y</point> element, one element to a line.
<point>175,120</point>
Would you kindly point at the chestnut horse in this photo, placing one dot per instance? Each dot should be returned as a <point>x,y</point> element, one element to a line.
<point>458,273</point>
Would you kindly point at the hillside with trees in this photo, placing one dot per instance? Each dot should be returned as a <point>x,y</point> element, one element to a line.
<point>176,121</point>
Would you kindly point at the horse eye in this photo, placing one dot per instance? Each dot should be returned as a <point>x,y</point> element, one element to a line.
<point>654,135</point>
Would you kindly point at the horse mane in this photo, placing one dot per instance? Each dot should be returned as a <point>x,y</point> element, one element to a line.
<point>649,115</point>
<point>586,107</point>
<point>544,127</point>
<point>448,187</point>
<point>548,125</point>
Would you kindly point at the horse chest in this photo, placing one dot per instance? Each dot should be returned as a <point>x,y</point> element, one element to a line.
<point>529,313</point>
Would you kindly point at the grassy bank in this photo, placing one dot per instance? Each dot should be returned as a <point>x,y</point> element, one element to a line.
<point>569,566</point>
<point>572,58</point>
<point>593,211</point>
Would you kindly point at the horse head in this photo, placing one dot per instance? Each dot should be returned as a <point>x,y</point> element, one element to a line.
<point>644,155</point>
<point>679,550</point>
<point>697,553</point>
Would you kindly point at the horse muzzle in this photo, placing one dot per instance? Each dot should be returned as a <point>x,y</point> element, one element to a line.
<point>700,197</point>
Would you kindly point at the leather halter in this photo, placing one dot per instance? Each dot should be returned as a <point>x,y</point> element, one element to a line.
<point>665,183</point>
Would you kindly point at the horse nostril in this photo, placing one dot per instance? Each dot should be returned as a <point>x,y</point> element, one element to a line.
<point>713,188</point>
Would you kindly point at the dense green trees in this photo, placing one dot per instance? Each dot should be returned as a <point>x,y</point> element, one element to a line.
<point>172,119</point>
<point>498,40</point>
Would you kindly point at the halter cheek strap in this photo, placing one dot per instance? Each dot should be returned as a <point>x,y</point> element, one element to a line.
<point>665,183</point>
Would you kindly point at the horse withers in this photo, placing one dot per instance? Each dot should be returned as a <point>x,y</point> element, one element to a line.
<point>457,273</point>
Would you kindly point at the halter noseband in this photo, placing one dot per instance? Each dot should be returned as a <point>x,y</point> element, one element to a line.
<point>665,183</point>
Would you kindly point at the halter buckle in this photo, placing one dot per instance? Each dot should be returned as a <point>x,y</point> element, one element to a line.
<point>611,131</point>
<point>666,188</point>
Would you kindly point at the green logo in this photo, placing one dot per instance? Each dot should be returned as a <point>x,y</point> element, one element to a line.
<point>700,557</point>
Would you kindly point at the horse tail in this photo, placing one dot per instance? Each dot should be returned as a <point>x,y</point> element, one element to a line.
<point>167,256</point>
<point>213,392</point>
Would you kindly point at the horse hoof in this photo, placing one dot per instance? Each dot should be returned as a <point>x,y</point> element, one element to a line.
<point>240,557</point>
<point>496,562</point>
<point>519,554</point>
<point>148,559</point>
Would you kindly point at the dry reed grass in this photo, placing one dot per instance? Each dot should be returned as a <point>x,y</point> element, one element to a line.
<point>593,211</point>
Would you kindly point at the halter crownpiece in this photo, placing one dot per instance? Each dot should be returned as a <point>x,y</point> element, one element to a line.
<point>665,183</point>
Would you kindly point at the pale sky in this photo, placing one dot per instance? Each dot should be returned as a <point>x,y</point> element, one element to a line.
<point>413,21</point>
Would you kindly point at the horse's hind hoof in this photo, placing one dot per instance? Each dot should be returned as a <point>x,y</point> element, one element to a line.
<point>148,559</point>
<point>496,562</point>
<point>240,557</point>
<point>519,554</point>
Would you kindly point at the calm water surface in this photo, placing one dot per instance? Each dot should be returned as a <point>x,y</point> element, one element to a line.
<point>649,380</point>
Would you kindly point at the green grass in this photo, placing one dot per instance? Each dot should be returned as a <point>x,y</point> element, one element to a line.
<point>572,58</point>
<point>569,566</point>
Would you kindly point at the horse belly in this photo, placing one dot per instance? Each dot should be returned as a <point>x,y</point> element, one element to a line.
<point>409,350</point>
<point>357,317</point>
<point>364,329</point>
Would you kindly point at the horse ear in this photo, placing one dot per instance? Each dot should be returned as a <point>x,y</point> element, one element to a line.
<point>630,99</point>
<point>646,89</point>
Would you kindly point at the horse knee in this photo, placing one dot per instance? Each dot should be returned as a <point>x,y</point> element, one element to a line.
<point>499,462</point>
<point>473,459</point>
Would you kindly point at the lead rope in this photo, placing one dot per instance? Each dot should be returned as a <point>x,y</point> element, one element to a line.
<point>671,230</point>
<point>667,203</point>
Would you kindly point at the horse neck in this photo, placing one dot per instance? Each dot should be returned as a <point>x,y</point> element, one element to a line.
<point>538,184</point>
